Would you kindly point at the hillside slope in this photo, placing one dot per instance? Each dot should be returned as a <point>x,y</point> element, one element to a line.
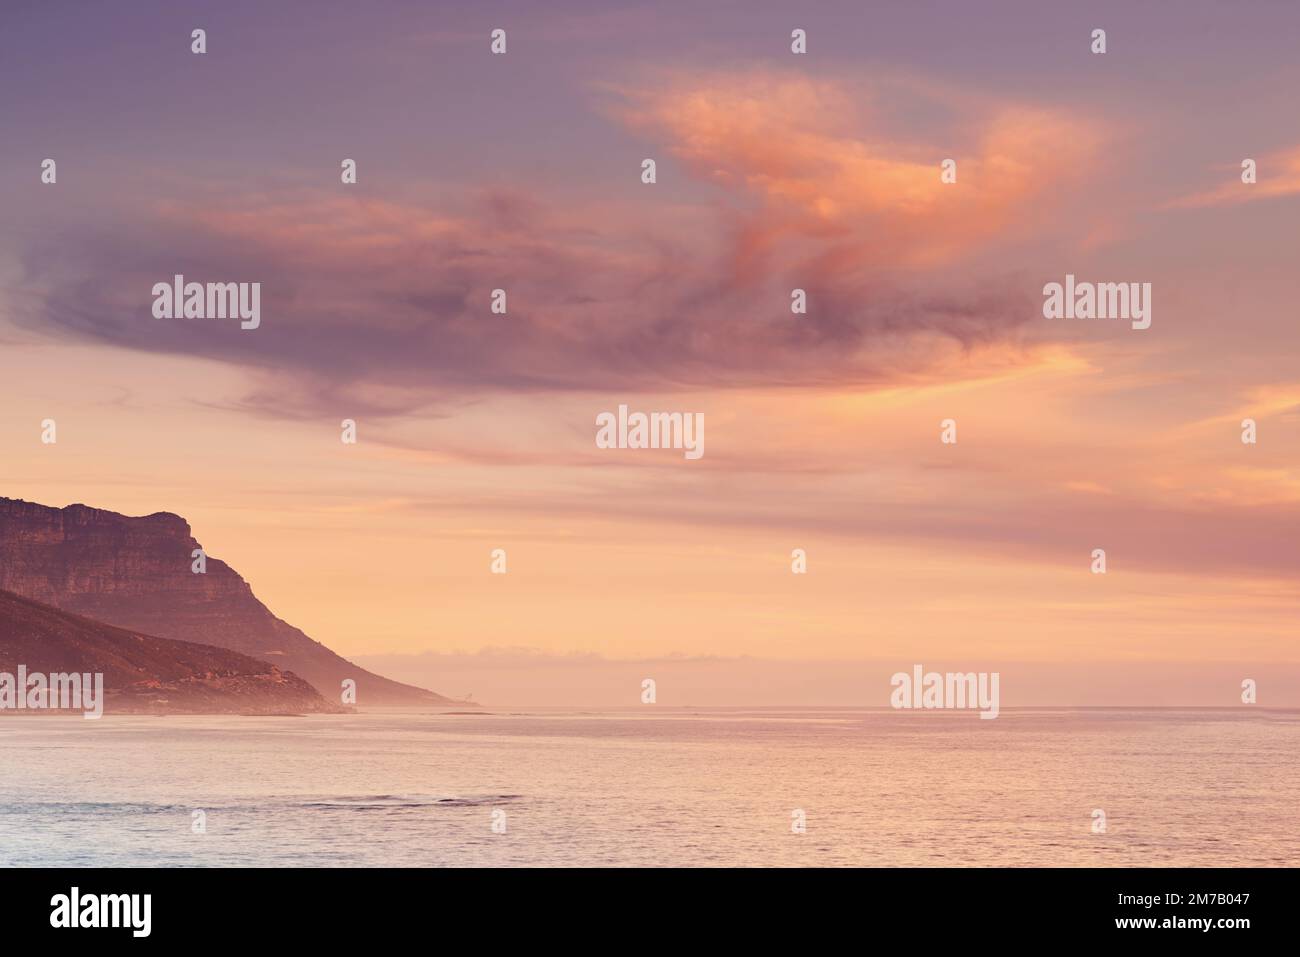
<point>135,573</point>
<point>143,673</point>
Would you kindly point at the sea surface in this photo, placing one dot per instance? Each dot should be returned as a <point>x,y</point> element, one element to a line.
<point>668,788</point>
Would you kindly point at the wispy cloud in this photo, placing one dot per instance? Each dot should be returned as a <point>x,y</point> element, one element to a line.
<point>859,197</point>
<point>386,303</point>
<point>1278,175</point>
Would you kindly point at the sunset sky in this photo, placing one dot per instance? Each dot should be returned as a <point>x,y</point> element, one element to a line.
<point>775,171</point>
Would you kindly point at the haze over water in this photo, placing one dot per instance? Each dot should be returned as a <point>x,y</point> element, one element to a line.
<point>662,787</point>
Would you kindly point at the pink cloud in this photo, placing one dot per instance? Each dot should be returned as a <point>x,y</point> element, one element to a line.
<point>1278,175</point>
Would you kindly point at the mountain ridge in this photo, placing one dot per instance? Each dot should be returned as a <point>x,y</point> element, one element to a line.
<point>135,573</point>
<point>143,673</point>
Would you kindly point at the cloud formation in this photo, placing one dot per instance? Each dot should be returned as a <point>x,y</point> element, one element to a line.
<point>386,303</point>
<point>1278,175</point>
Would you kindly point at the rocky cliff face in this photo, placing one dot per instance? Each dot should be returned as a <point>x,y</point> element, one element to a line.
<point>147,674</point>
<point>135,573</point>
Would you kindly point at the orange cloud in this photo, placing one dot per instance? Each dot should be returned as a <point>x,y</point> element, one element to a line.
<point>786,143</point>
<point>383,304</point>
<point>1278,175</point>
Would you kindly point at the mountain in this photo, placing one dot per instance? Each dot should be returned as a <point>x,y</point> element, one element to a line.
<point>143,673</point>
<point>135,573</point>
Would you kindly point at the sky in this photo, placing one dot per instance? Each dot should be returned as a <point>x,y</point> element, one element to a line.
<point>775,171</point>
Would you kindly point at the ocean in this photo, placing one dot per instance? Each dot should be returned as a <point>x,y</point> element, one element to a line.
<point>655,788</point>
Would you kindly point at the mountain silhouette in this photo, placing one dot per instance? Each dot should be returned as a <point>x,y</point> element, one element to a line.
<point>135,573</point>
<point>143,673</point>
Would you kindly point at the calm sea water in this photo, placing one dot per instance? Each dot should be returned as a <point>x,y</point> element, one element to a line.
<point>673,788</point>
